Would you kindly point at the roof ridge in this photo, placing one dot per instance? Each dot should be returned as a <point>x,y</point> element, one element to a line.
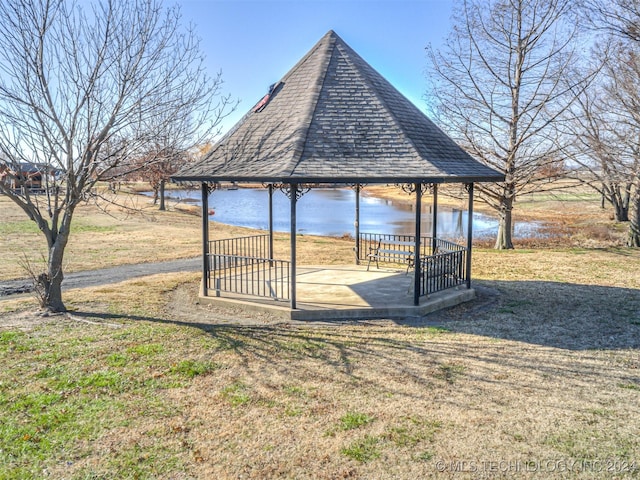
<point>220,143</point>
<point>311,51</point>
<point>328,41</point>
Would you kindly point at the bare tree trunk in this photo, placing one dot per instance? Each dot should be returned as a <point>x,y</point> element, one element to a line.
<point>619,198</point>
<point>49,284</point>
<point>621,214</point>
<point>504,239</point>
<point>162,208</point>
<point>634,220</point>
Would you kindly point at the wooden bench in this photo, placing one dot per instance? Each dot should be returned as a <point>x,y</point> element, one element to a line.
<point>384,251</point>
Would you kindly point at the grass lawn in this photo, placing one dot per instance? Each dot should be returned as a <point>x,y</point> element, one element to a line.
<point>537,378</point>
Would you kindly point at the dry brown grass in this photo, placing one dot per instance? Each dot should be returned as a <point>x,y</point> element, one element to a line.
<point>436,400</point>
<point>99,240</point>
<point>537,378</point>
<point>533,378</point>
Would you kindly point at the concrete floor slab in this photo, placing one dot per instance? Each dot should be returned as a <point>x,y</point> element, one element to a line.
<point>349,292</point>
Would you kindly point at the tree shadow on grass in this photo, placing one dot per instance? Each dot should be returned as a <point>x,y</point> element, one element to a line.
<point>405,362</point>
<point>565,317</point>
<point>400,376</point>
<point>551,314</point>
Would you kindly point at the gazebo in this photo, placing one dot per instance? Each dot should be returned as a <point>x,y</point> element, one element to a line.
<point>333,120</point>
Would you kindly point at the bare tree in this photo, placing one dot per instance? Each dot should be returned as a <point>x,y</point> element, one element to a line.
<point>598,157</point>
<point>157,166</point>
<point>83,90</point>
<point>616,17</point>
<point>498,86</point>
<point>600,151</point>
<point>624,99</point>
<point>620,20</point>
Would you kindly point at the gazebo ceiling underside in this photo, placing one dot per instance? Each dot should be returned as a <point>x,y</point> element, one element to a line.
<point>334,119</point>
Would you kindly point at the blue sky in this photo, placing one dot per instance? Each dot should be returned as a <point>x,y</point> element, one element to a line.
<point>255,42</point>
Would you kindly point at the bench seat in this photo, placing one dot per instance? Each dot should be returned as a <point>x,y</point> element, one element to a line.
<point>390,254</point>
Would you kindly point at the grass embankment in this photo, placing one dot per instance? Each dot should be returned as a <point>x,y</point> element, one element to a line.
<point>97,239</point>
<point>569,216</point>
<point>538,378</point>
<point>127,236</point>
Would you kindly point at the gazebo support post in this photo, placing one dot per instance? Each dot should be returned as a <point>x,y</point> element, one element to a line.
<point>204,188</point>
<point>294,199</point>
<point>469,233</point>
<point>417,262</point>
<point>271,224</point>
<point>357,224</point>
<point>434,224</point>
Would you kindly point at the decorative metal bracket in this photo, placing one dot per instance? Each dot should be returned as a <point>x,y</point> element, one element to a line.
<point>468,187</point>
<point>299,191</point>
<point>211,187</point>
<point>410,188</point>
<point>356,185</point>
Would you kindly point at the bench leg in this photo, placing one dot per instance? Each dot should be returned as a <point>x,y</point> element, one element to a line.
<point>369,264</point>
<point>409,264</point>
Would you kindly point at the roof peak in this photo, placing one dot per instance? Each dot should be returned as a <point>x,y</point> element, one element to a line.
<point>332,36</point>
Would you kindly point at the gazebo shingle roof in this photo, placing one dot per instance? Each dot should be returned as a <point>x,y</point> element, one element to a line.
<point>333,118</point>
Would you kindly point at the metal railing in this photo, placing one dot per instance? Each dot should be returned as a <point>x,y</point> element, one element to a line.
<point>443,264</point>
<point>243,265</point>
<point>446,269</point>
<point>259,277</point>
<point>441,245</point>
<point>253,246</point>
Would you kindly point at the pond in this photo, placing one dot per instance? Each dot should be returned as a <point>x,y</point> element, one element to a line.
<point>331,212</point>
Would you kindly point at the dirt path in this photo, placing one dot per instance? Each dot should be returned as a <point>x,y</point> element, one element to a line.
<point>104,276</point>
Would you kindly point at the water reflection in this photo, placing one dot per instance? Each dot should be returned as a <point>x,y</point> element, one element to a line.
<point>331,212</point>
